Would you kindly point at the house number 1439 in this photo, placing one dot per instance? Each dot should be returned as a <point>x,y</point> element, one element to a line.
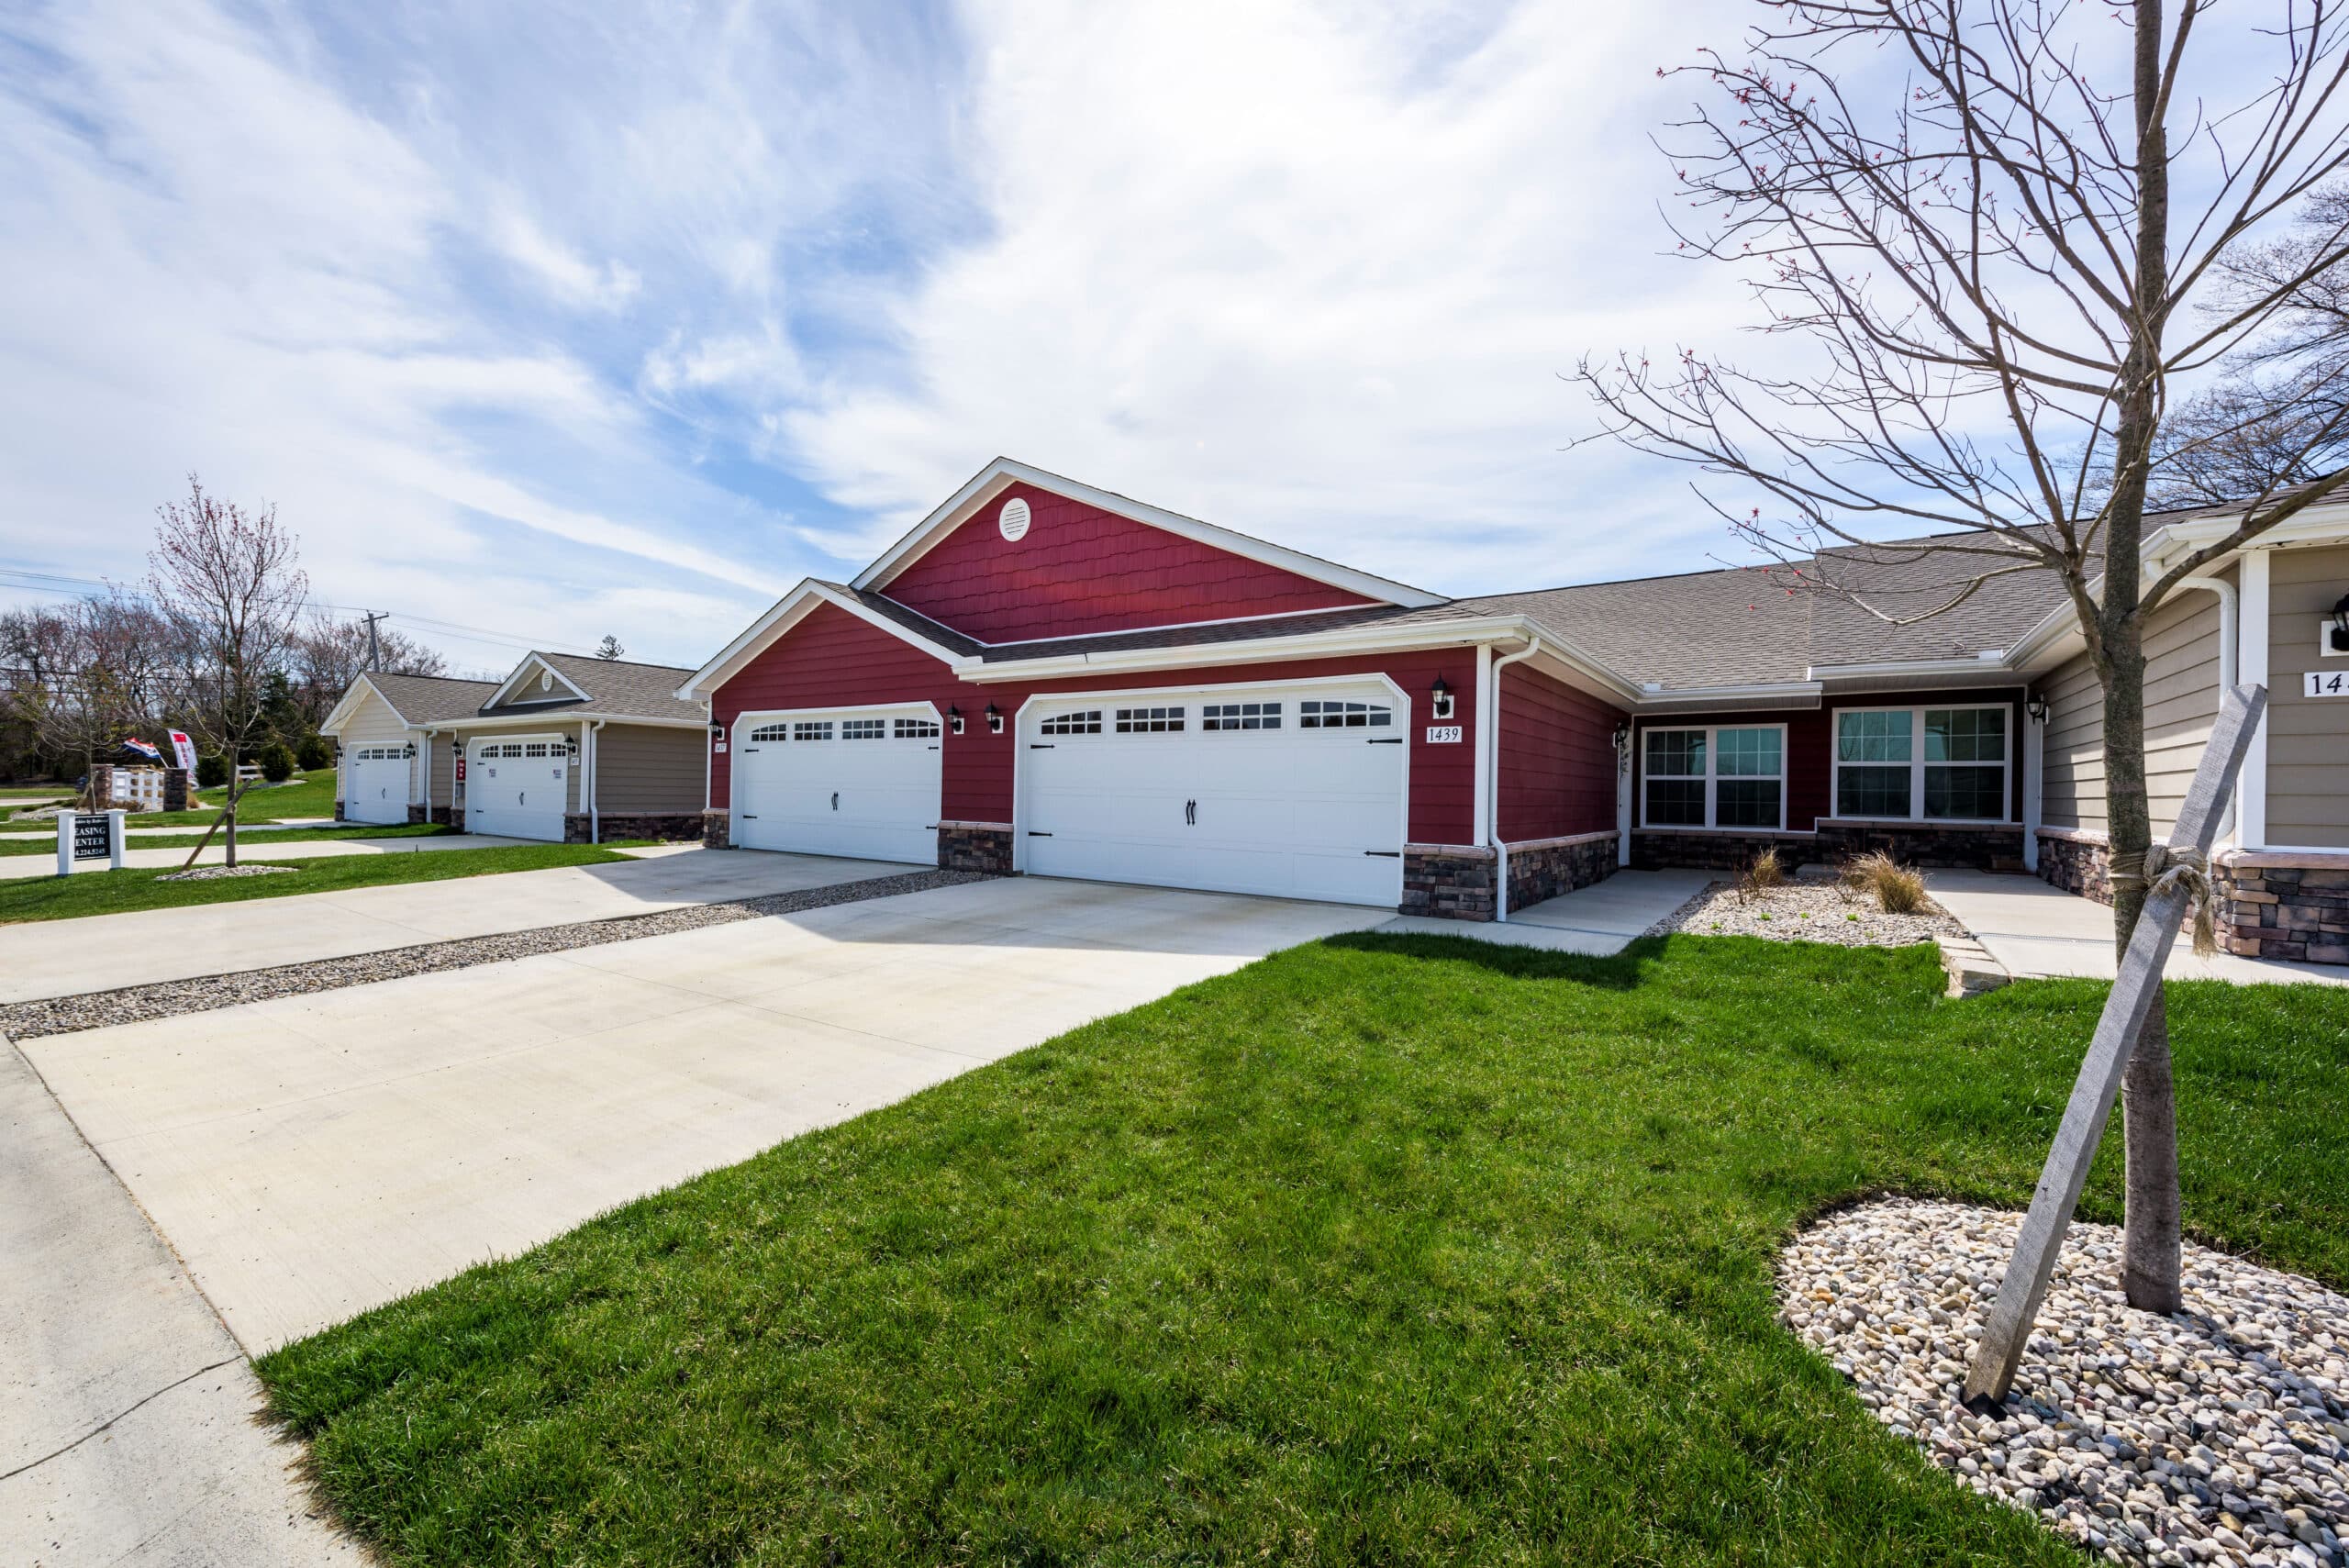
<point>1443,734</point>
<point>2324,684</point>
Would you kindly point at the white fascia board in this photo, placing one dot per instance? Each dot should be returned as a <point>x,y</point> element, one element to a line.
<point>532,662</point>
<point>2326,522</point>
<point>786,613</point>
<point>511,719</point>
<point>349,702</point>
<point>1342,643</point>
<point>1004,471</point>
<point>1760,696</point>
<point>1990,662</point>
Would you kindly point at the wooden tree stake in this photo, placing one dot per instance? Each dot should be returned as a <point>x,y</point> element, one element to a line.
<point>2067,1171</point>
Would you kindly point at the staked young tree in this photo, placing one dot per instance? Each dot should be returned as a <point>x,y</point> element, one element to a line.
<point>1996,244</point>
<point>229,583</point>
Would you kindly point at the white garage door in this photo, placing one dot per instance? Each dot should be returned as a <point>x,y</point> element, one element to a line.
<point>1298,793</point>
<point>374,785</point>
<point>517,788</point>
<point>862,785</point>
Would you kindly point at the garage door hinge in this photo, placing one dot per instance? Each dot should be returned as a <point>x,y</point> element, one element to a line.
<point>1386,854</point>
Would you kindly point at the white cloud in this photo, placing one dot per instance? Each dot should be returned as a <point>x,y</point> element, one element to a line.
<point>567,276</point>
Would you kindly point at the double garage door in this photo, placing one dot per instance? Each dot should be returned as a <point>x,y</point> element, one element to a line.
<point>518,788</point>
<point>1297,793</point>
<point>375,783</point>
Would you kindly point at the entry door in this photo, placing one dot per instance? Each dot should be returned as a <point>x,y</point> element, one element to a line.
<point>374,785</point>
<point>860,785</point>
<point>519,788</point>
<point>1294,794</point>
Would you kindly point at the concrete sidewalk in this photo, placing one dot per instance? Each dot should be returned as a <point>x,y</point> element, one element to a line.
<point>104,952</point>
<point>1598,920</point>
<point>260,849</point>
<point>2037,931</point>
<point>126,1412</point>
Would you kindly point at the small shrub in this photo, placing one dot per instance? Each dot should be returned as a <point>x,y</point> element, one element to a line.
<point>316,751</point>
<point>1768,871</point>
<point>1897,889</point>
<point>276,762</point>
<point>211,771</point>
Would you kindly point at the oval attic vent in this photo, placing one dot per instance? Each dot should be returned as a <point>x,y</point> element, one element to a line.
<point>1013,519</point>
<point>546,680</point>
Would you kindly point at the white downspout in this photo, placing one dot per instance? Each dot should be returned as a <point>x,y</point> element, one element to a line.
<point>1491,740</point>
<point>428,734</point>
<point>2229,617</point>
<point>595,778</point>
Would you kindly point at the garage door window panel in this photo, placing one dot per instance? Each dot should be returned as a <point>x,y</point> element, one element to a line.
<point>1150,720</point>
<point>812,730</point>
<point>1326,715</point>
<point>1086,722</point>
<point>916,729</point>
<point>772,732</point>
<point>1230,716</point>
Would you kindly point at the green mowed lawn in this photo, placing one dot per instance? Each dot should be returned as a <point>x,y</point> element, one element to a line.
<point>247,843</point>
<point>114,892</point>
<point>1380,1250</point>
<point>311,794</point>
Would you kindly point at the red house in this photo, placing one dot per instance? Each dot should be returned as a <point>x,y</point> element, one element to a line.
<point>1046,677</point>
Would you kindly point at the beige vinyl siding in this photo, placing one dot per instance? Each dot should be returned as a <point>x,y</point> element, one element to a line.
<point>2071,782</point>
<point>648,768</point>
<point>444,771</point>
<point>2181,702</point>
<point>2308,737</point>
<point>373,722</point>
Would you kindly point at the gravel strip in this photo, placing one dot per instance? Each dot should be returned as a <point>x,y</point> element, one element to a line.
<point>101,1009</point>
<point>1806,912</point>
<point>215,873</point>
<point>2218,1435</point>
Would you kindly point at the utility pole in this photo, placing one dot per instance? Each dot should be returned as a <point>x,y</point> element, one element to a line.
<point>374,659</point>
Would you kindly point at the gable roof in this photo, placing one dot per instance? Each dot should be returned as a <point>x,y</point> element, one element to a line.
<point>1004,473</point>
<point>602,688</point>
<point>418,699</point>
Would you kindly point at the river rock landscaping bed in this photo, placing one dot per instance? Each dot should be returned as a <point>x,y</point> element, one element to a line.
<point>219,874</point>
<point>101,1009</point>
<point>2218,1435</point>
<point>1806,912</point>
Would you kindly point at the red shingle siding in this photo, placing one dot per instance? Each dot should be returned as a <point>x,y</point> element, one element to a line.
<point>1557,759</point>
<point>829,660</point>
<point>1081,570</point>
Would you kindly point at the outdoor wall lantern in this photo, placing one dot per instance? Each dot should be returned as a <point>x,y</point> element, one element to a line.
<point>2037,708</point>
<point>1622,737</point>
<point>2340,625</point>
<point>408,750</point>
<point>716,729</point>
<point>1443,698</point>
<point>995,719</point>
<point>953,720</point>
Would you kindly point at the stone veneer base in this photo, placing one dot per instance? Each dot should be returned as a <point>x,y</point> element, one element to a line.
<point>2279,904</point>
<point>975,846</point>
<point>668,827</point>
<point>1545,868</point>
<point>716,829</point>
<point>1930,844</point>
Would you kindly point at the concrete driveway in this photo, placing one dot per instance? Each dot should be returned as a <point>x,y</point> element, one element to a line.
<point>314,1156</point>
<point>104,952</point>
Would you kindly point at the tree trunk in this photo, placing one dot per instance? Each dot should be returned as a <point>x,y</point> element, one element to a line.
<point>236,792</point>
<point>2151,1244</point>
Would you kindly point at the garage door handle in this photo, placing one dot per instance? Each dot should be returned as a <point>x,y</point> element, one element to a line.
<point>1039,745</point>
<point>1386,854</point>
<point>749,817</point>
<point>836,800</point>
<point>1395,741</point>
<point>1034,834</point>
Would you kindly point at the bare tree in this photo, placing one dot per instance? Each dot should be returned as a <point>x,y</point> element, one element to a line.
<point>329,654</point>
<point>1979,233</point>
<point>230,585</point>
<point>81,676</point>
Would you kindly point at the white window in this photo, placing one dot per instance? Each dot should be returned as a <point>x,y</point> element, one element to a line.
<point>772,732</point>
<point>1085,723</point>
<point>1149,720</point>
<point>1240,716</point>
<point>1720,776</point>
<point>917,729</point>
<point>1321,715</point>
<point>863,728</point>
<point>812,730</point>
<point>1922,764</point>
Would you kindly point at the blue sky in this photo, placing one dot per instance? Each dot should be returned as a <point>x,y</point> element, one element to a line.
<point>557,321</point>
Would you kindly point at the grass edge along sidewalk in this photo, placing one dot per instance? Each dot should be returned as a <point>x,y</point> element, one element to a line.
<point>119,892</point>
<point>1397,1250</point>
<point>46,843</point>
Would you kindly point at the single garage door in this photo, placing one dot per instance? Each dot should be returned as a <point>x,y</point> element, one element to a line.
<point>375,783</point>
<point>860,785</point>
<point>518,788</point>
<point>1294,794</point>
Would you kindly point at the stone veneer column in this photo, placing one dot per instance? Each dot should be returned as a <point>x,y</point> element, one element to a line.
<point>2285,903</point>
<point>716,829</point>
<point>975,846</point>
<point>1450,882</point>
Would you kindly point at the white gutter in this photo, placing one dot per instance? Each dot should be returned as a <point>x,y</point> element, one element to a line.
<point>1491,740</point>
<point>595,777</point>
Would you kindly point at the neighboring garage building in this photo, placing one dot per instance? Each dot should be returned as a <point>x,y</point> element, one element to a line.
<point>565,749</point>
